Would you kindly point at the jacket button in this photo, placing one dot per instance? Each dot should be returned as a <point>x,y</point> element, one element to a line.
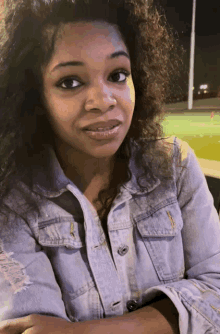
<point>123,250</point>
<point>132,305</point>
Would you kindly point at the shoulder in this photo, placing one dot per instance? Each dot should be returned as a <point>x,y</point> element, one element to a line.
<point>163,158</point>
<point>180,150</point>
<point>183,158</point>
<point>179,146</point>
<point>18,204</point>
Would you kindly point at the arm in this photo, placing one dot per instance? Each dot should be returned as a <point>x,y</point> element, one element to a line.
<point>160,318</point>
<point>197,296</point>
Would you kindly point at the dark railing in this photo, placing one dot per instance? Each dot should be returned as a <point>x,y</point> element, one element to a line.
<point>214,187</point>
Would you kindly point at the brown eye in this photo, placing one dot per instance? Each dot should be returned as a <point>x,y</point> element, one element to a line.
<point>120,76</point>
<point>69,83</point>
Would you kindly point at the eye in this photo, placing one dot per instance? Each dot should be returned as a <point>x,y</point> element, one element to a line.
<point>69,83</point>
<point>120,76</point>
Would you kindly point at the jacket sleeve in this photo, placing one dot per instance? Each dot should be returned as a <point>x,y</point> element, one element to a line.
<point>197,296</point>
<point>27,281</point>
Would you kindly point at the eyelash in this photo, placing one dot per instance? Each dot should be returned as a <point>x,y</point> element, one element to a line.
<point>71,79</point>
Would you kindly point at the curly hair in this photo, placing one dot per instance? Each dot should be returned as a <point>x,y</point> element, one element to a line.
<point>28,35</point>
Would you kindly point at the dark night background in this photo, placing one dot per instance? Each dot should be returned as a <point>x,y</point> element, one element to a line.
<point>207,50</point>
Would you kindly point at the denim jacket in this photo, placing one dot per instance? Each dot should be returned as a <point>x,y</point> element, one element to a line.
<point>164,240</point>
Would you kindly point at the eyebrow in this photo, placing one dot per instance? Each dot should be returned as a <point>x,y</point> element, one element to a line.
<point>80,63</point>
<point>118,54</point>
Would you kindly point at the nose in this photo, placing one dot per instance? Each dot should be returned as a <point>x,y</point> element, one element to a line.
<point>99,98</point>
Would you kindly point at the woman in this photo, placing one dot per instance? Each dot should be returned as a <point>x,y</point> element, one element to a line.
<point>100,216</point>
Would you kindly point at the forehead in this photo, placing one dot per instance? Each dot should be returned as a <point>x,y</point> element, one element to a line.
<point>87,39</point>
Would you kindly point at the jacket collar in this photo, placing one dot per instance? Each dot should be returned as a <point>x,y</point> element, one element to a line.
<point>49,180</point>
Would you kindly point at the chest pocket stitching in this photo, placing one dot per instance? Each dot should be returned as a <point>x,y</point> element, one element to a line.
<point>165,277</point>
<point>156,208</point>
<point>55,220</point>
<point>84,289</point>
<point>167,222</point>
<point>174,269</point>
<point>64,232</point>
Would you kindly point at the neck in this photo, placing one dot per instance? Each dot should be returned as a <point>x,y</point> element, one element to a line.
<point>83,169</point>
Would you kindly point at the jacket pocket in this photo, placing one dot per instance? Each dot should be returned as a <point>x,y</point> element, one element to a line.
<point>63,240</point>
<point>62,231</point>
<point>160,230</point>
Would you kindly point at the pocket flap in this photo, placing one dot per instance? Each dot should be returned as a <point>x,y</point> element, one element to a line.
<point>65,232</point>
<point>165,222</point>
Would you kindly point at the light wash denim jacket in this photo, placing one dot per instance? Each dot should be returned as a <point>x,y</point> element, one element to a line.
<point>164,240</point>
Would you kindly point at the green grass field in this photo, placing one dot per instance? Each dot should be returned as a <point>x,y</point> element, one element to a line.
<point>196,127</point>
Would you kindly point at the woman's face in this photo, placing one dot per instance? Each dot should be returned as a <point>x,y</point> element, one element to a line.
<point>88,89</point>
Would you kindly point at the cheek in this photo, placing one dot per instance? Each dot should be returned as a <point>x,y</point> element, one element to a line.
<point>61,110</point>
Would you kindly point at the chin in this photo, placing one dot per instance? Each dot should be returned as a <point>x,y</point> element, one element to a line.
<point>104,152</point>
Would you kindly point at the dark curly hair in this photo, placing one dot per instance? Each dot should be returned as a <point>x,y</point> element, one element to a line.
<point>28,35</point>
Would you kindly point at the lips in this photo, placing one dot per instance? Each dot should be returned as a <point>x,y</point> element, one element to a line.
<point>102,125</point>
